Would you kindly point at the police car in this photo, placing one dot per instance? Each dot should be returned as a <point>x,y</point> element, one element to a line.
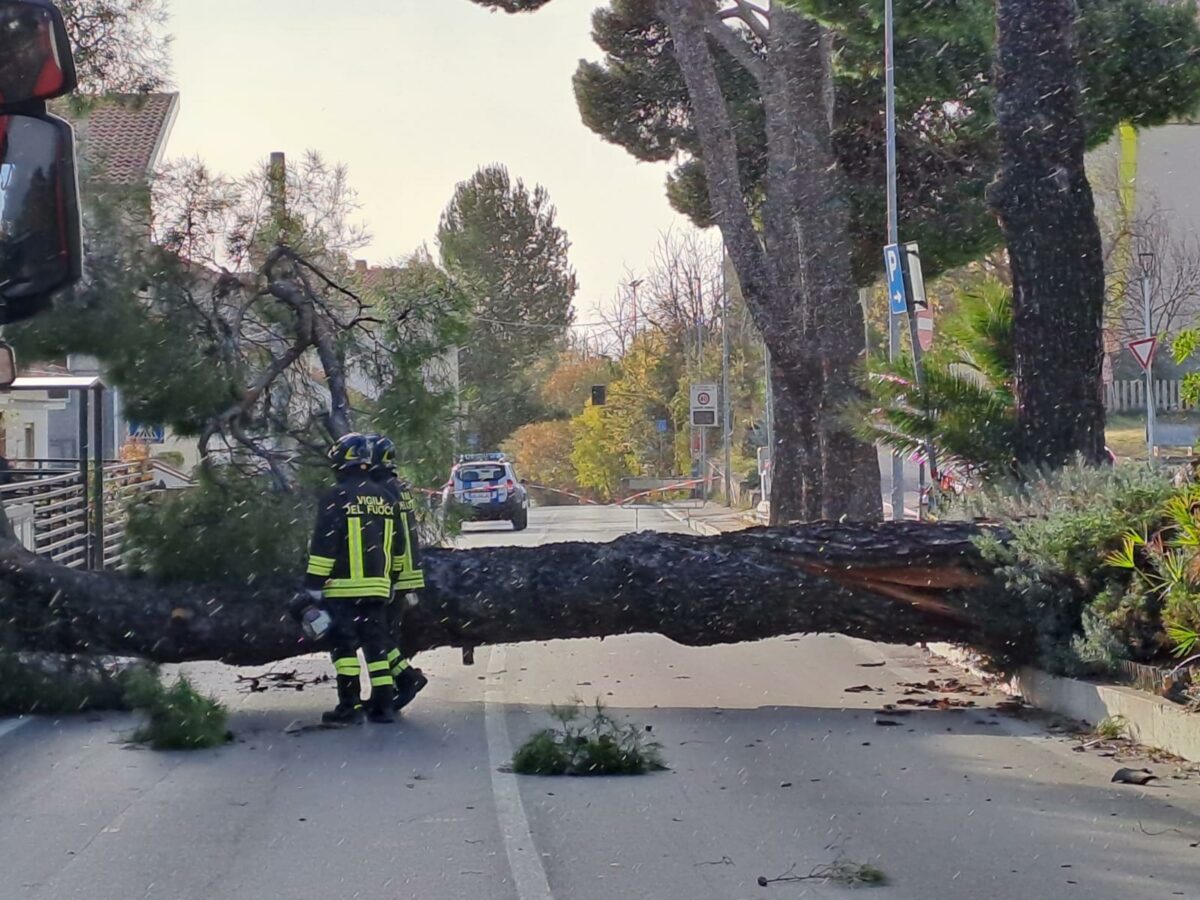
<point>484,487</point>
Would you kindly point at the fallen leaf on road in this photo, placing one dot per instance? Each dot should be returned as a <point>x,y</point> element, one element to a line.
<point>860,689</point>
<point>1133,776</point>
<point>879,721</point>
<point>874,665</point>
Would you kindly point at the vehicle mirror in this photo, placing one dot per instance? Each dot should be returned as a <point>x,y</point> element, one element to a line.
<point>35,53</point>
<point>40,231</point>
<point>8,366</point>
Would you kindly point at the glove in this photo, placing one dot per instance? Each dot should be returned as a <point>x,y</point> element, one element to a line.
<point>411,599</point>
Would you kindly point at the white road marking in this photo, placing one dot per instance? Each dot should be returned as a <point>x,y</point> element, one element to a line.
<point>529,876</point>
<point>13,724</point>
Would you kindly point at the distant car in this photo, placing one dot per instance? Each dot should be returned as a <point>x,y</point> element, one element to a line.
<point>485,488</point>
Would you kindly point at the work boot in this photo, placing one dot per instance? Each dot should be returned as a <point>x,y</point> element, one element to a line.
<point>343,714</point>
<point>409,683</point>
<point>380,709</point>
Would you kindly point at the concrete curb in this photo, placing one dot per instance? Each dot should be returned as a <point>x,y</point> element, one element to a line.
<point>697,525</point>
<point>1152,721</point>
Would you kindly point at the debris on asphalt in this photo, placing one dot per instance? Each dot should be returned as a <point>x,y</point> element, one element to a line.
<point>283,681</point>
<point>871,665</point>
<point>885,722</point>
<point>1133,776</point>
<point>840,871</point>
<point>862,689</point>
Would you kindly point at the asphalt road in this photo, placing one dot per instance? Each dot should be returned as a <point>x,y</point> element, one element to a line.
<point>774,769</point>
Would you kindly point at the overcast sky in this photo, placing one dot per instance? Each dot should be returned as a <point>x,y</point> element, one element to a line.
<point>414,95</point>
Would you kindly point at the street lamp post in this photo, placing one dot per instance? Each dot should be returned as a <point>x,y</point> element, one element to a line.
<point>1147,261</point>
<point>726,425</point>
<point>894,349</point>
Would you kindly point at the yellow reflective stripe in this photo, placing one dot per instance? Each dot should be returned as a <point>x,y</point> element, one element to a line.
<point>378,665</point>
<point>320,565</point>
<point>400,666</point>
<point>355,547</point>
<point>393,655</point>
<point>411,581</point>
<point>346,588</point>
<point>347,665</point>
<point>389,537</point>
<point>382,680</point>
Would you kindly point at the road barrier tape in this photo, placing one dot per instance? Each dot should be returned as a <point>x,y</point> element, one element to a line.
<point>666,489</point>
<point>678,486</point>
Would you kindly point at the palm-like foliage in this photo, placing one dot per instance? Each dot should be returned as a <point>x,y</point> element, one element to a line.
<point>966,408</point>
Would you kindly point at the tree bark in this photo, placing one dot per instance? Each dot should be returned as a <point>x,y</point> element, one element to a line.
<point>1047,213</point>
<point>796,275</point>
<point>893,583</point>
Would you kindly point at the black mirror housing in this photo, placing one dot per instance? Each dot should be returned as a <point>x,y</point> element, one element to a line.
<point>40,229</point>
<point>36,63</point>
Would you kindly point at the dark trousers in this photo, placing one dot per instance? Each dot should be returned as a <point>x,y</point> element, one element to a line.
<point>359,623</point>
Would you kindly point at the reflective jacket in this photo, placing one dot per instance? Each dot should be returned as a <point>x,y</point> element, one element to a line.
<point>352,553</point>
<point>406,556</point>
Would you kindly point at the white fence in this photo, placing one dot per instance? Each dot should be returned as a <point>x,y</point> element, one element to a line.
<point>1130,396</point>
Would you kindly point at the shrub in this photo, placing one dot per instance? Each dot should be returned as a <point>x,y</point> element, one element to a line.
<point>53,683</point>
<point>229,528</point>
<point>1082,614</point>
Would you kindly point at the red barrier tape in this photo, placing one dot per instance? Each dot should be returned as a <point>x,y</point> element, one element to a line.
<point>678,486</point>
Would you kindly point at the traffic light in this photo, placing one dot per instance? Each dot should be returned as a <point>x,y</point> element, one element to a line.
<point>599,394</point>
<point>41,248</point>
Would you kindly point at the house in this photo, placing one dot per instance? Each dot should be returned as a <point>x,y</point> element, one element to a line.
<point>121,140</point>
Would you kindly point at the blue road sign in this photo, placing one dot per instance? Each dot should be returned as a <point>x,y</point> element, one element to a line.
<point>897,299</point>
<point>148,434</point>
<point>662,426</point>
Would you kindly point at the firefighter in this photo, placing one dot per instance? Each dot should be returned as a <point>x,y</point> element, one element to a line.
<point>407,577</point>
<point>350,571</point>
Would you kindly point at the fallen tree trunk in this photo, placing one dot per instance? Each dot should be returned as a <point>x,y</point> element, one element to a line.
<point>897,583</point>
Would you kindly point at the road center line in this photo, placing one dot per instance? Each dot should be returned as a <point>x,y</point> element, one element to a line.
<point>529,876</point>
<point>13,724</point>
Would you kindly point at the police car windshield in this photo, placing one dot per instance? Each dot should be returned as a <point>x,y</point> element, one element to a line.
<point>481,473</point>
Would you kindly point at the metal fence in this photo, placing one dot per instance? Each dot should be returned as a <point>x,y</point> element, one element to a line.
<point>57,516</point>
<point>1130,396</point>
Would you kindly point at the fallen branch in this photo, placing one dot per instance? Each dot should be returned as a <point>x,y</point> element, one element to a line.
<point>897,583</point>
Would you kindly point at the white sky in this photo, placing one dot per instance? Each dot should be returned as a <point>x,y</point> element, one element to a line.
<point>414,95</point>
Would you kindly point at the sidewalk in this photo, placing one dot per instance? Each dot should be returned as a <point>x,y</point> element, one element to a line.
<point>711,518</point>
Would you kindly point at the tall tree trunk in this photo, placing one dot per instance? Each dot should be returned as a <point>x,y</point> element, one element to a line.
<point>795,276</point>
<point>1046,210</point>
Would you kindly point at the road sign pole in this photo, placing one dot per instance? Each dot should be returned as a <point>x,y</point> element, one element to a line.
<point>893,228</point>
<point>703,465</point>
<point>1149,369</point>
<point>726,400</point>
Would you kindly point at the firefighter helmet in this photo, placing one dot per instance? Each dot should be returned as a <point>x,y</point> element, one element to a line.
<point>383,453</point>
<point>349,452</point>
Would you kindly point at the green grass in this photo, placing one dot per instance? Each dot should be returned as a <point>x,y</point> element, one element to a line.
<point>1112,727</point>
<point>591,743</point>
<point>1125,433</point>
<point>177,717</point>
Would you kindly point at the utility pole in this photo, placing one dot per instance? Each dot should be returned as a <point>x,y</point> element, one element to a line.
<point>726,424</point>
<point>1147,260</point>
<point>894,349</point>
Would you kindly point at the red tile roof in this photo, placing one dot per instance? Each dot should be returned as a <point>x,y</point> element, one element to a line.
<point>121,137</point>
